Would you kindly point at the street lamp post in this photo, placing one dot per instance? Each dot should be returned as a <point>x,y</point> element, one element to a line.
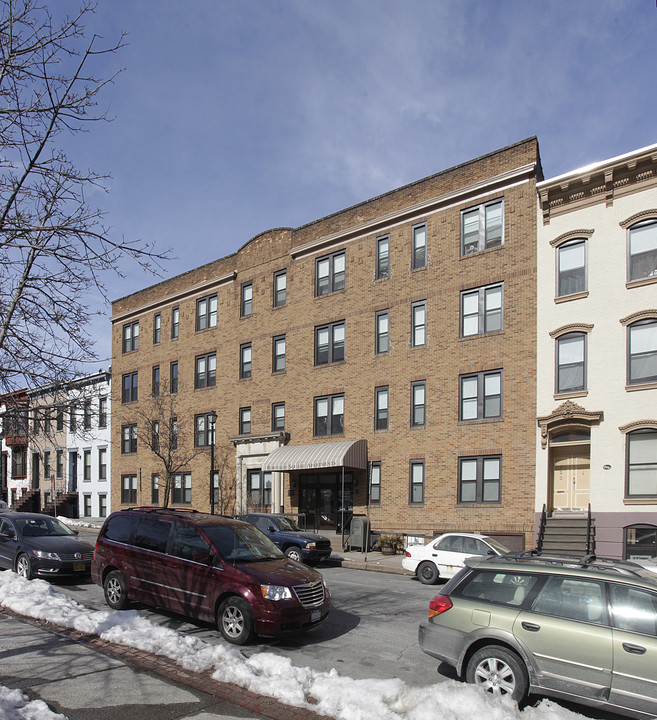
<point>212,420</point>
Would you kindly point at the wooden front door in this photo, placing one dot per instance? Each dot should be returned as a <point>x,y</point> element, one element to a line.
<point>571,477</point>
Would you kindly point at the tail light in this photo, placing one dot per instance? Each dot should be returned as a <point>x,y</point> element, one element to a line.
<point>438,605</point>
<point>408,554</point>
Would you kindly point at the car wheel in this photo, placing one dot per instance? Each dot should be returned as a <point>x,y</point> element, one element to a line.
<point>24,567</point>
<point>116,592</point>
<point>293,552</point>
<point>427,573</point>
<point>235,620</point>
<point>498,671</point>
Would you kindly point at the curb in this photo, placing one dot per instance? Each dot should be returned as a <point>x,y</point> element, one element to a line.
<point>264,705</point>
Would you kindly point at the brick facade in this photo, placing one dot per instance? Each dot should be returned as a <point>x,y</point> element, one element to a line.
<point>509,174</point>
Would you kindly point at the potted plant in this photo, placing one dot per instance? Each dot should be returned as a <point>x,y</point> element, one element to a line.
<point>389,544</point>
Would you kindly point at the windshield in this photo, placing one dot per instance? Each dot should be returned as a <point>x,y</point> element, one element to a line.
<point>285,523</point>
<point>42,527</point>
<point>501,549</point>
<point>242,543</point>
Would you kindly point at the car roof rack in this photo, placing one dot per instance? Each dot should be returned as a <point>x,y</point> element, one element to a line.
<point>622,567</point>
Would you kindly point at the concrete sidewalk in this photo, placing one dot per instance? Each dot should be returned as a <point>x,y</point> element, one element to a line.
<point>374,561</point>
<point>85,678</point>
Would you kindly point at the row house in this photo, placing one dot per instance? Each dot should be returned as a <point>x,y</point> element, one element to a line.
<point>56,448</point>
<point>597,351</point>
<point>380,361</point>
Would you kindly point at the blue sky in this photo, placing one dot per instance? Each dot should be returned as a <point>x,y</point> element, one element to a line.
<point>235,116</point>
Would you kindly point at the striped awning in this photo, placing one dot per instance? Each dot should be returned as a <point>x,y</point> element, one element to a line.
<point>348,454</point>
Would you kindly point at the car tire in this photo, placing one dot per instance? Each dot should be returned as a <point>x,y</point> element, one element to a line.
<point>498,671</point>
<point>235,620</point>
<point>24,567</point>
<point>116,592</point>
<point>427,573</point>
<point>294,553</point>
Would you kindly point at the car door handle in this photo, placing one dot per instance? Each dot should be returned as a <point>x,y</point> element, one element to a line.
<point>634,649</point>
<point>530,627</point>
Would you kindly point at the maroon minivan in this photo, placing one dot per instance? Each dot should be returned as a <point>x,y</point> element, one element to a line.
<point>207,567</point>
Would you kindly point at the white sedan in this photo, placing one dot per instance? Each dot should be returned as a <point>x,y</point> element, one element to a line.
<point>444,556</point>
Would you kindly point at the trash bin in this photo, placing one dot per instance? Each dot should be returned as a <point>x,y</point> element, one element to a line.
<point>359,532</point>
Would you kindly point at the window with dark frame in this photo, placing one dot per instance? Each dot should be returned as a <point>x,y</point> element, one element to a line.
<point>86,415</point>
<point>60,416</point>
<point>480,479</point>
<point>173,433</point>
<point>181,491</point>
<point>175,322</point>
<point>46,465</point>
<point>418,403</point>
<point>278,416</point>
<point>155,489</point>
<point>280,288</point>
<point>383,257</point>
<point>416,489</point>
<point>102,412</point>
<point>128,439</point>
<point>155,384</point>
<point>381,408</point>
<point>245,421</point>
<point>86,465</point>
<point>329,415</point>
<point>481,395</point>
<point>59,468</point>
<point>642,352</point>
<point>382,330</point>
<point>571,362</point>
<point>157,328</point>
<point>482,310</point>
<point>245,361</point>
<point>203,427</point>
<point>419,323</point>
<point>246,299</point>
<point>206,312</point>
<point>329,343</point>
<point>131,336</point>
<point>419,246</point>
<point>330,273</point>
<point>155,436</point>
<point>641,463</point>
<point>130,385</point>
<point>205,374</point>
<point>128,489</point>
<point>642,250</point>
<point>278,353</point>
<point>102,463</point>
<point>375,483</point>
<point>571,267</point>
<point>482,227</point>
<point>173,377</point>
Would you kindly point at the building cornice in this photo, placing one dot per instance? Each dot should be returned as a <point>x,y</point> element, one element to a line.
<point>418,210</point>
<point>175,297</point>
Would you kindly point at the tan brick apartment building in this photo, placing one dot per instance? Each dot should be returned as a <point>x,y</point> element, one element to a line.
<point>382,357</point>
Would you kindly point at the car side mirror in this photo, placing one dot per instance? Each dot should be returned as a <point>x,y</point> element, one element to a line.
<point>271,528</point>
<point>491,552</point>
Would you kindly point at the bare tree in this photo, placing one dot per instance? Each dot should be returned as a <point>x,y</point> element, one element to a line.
<point>224,467</point>
<point>54,248</point>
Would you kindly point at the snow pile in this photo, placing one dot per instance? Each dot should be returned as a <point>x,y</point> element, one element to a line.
<point>266,673</point>
<point>16,706</point>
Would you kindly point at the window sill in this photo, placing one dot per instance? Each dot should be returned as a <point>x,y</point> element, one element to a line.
<point>641,386</point>
<point>496,504</point>
<point>574,296</point>
<point>492,333</point>
<point>481,252</point>
<point>330,364</point>
<point>329,294</point>
<point>640,501</point>
<point>568,395</point>
<point>641,282</point>
<point>245,378</point>
<point>419,269</point>
<point>481,421</point>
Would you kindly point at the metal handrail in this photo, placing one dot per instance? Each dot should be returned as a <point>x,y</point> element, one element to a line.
<point>541,529</point>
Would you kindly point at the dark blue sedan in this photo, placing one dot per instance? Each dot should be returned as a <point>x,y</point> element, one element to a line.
<point>35,545</point>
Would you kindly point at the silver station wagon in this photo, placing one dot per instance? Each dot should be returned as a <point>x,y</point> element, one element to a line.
<point>579,629</point>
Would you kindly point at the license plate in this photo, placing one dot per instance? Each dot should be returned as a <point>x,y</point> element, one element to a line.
<point>315,615</point>
<point>78,567</point>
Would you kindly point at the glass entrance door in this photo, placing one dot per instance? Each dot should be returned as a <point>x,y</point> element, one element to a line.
<point>321,501</point>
